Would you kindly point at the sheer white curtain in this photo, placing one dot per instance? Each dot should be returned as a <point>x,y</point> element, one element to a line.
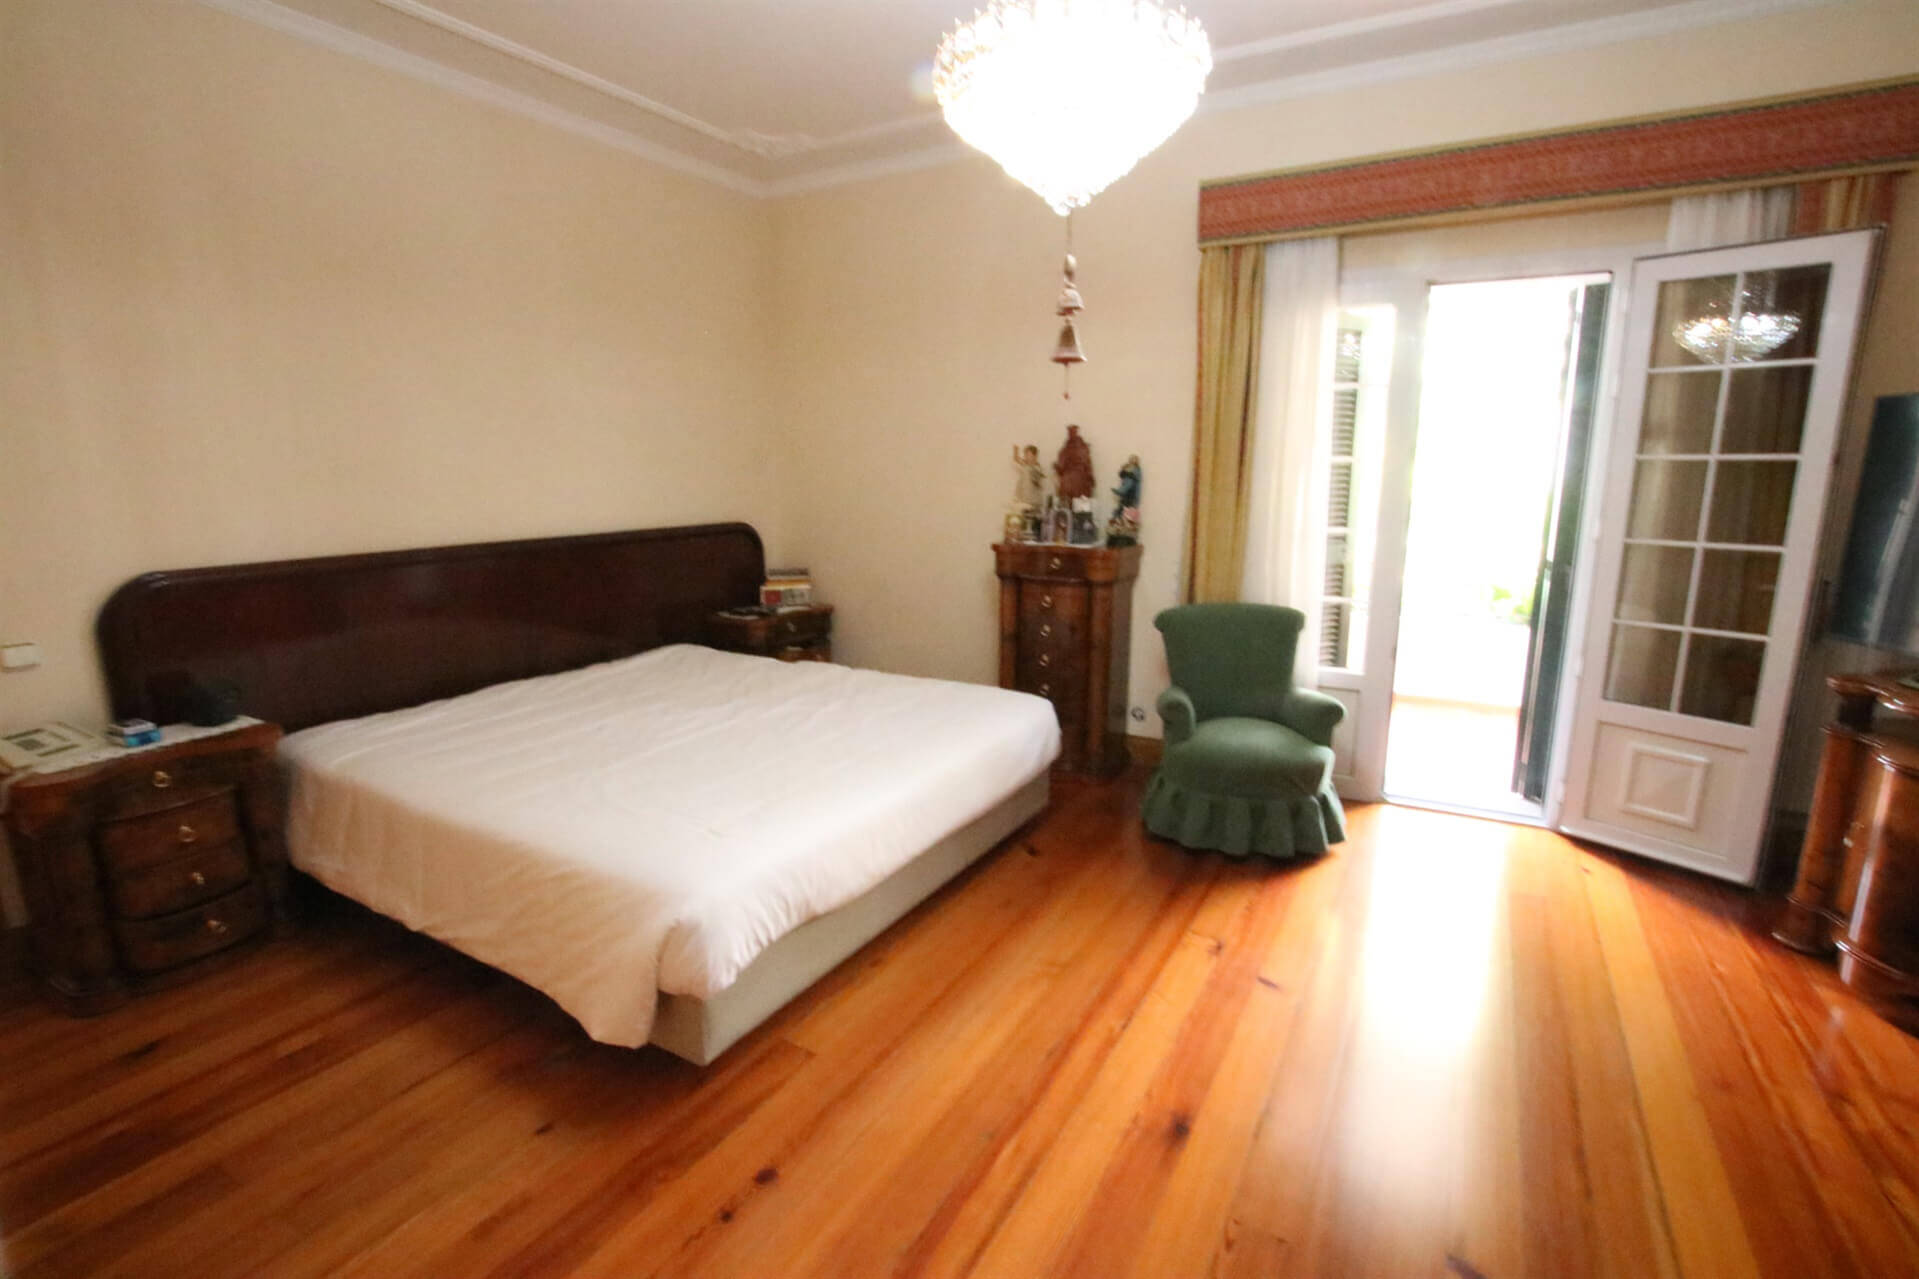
<point>1286,516</point>
<point>1729,217</point>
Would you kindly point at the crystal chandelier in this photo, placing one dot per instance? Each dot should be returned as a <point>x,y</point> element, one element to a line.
<point>1068,95</point>
<point>1753,334</point>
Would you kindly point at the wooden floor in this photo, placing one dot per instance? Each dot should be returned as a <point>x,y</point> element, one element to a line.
<point>1453,1049</point>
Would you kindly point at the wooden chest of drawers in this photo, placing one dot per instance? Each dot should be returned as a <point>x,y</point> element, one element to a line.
<point>792,635</point>
<point>141,870</point>
<point>1065,632</point>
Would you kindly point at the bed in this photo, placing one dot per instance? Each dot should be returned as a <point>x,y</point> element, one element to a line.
<point>518,748</point>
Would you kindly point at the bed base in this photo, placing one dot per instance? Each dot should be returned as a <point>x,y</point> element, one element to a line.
<point>699,1030</point>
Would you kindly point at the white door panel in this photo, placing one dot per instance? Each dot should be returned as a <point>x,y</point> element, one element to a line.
<point>1732,386</point>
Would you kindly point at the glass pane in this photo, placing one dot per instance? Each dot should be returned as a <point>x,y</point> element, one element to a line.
<point>1679,412</point>
<point>1652,584</point>
<point>1750,501</point>
<point>1779,313</point>
<point>1666,497</point>
<point>1765,409</point>
<point>1722,678</point>
<point>1736,590</point>
<point>1693,322</point>
<point>1641,667</point>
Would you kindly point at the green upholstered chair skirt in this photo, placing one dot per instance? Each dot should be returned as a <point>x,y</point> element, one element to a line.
<point>1248,761</point>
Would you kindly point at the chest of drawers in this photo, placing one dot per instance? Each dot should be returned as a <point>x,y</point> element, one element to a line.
<point>1065,633</point>
<point>140,871</point>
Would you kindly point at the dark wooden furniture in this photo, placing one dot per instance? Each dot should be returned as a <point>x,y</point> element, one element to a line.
<point>1857,890</point>
<point>308,641</point>
<point>143,870</point>
<point>792,635</point>
<point>1065,632</point>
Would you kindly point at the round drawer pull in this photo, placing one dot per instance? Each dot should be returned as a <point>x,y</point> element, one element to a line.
<point>1045,690</point>
<point>1046,601</point>
<point>197,879</point>
<point>1046,628</point>
<point>217,927</point>
<point>1045,659</point>
<point>161,779</point>
<point>1054,562</point>
<point>188,834</point>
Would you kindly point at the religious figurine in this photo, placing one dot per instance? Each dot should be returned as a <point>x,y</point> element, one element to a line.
<point>1029,490</point>
<point>1084,529</point>
<point>1123,528</point>
<point>1074,467</point>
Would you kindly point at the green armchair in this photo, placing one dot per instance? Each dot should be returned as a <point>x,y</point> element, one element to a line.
<point>1249,761</point>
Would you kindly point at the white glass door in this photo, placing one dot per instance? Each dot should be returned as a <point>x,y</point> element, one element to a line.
<point>1732,386</point>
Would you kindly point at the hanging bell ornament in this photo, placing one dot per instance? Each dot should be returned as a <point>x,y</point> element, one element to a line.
<point>1066,350</point>
<point>1069,299</point>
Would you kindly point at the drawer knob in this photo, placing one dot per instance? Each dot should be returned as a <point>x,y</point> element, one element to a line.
<point>1045,629</point>
<point>1054,562</point>
<point>1046,601</point>
<point>197,879</point>
<point>1045,690</point>
<point>188,834</point>
<point>1045,659</point>
<point>162,779</point>
<point>217,927</point>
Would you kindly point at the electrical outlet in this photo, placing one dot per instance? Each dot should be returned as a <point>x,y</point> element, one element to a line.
<point>19,657</point>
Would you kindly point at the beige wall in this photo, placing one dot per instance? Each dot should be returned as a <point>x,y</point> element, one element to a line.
<point>915,314</point>
<point>259,299</point>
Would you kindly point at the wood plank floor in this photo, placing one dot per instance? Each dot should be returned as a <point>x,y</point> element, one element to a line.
<point>1454,1049</point>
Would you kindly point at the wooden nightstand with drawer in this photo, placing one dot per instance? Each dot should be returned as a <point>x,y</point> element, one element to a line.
<point>1065,633</point>
<point>802,634</point>
<point>145,869</point>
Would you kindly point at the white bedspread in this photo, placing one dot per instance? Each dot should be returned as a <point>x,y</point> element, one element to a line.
<point>652,823</point>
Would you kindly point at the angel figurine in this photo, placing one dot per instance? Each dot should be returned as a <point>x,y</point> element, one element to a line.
<point>1123,528</point>
<point>1029,490</point>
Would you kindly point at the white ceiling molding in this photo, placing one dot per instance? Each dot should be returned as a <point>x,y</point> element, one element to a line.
<point>750,141</point>
<point>1565,39</point>
<point>1593,33</point>
<point>863,170</point>
<point>341,40</point>
<point>1643,24</point>
<point>1359,27</point>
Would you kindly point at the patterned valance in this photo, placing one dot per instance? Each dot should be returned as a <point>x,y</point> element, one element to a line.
<point>1865,129</point>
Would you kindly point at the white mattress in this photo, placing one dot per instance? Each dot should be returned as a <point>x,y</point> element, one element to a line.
<point>652,823</point>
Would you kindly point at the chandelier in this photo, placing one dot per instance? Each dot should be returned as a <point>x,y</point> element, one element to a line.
<point>1068,95</point>
<point>1756,332</point>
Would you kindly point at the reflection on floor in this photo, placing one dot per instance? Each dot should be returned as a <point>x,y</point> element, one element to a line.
<point>1455,754</point>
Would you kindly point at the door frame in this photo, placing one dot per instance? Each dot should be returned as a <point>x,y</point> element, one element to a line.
<point>1406,289</point>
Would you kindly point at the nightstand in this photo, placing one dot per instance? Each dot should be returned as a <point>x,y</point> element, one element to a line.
<point>802,634</point>
<point>143,869</point>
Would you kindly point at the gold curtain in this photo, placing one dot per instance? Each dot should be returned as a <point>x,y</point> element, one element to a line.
<point>1844,204</point>
<point>1232,280</point>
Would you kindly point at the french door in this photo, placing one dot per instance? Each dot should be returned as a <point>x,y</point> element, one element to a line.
<point>1732,383</point>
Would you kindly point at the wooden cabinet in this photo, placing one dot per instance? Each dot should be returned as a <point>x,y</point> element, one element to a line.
<point>141,870</point>
<point>792,634</point>
<point>1857,889</point>
<point>1065,633</point>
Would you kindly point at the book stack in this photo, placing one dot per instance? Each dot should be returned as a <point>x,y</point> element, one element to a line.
<point>787,588</point>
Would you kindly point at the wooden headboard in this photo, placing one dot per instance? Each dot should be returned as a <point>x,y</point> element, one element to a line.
<point>307,641</point>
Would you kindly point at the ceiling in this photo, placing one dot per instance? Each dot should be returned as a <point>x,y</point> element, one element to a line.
<point>768,96</point>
